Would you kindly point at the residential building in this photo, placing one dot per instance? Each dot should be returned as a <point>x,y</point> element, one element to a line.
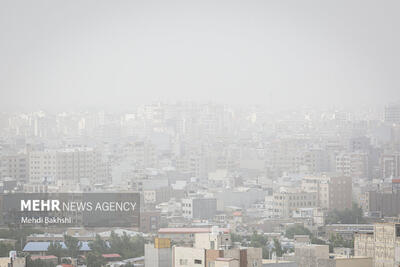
<point>383,204</point>
<point>14,166</point>
<point>69,165</point>
<point>352,164</point>
<point>141,153</point>
<point>390,165</point>
<point>188,257</point>
<point>199,208</point>
<point>185,235</point>
<point>158,254</point>
<point>307,255</point>
<point>202,254</point>
<point>383,244</point>
<point>287,203</point>
<point>334,192</point>
<point>42,166</point>
<point>346,231</point>
<point>150,221</point>
<point>340,193</point>
<point>215,240</point>
<point>392,113</point>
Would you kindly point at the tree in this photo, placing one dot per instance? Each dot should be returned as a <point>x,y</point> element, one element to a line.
<point>38,263</point>
<point>236,237</point>
<point>338,241</point>
<point>95,259</point>
<point>278,248</point>
<point>317,241</point>
<point>5,249</point>
<point>347,216</point>
<point>260,241</point>
<point>99,245</point>
<point>66,261</point>
<point>73,246</point>
<point>18,234</point>
<point>126,246</point>
<point>297,230</point>
<point>56,249</point>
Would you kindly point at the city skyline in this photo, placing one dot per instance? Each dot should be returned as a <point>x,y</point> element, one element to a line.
<point>229,133</point>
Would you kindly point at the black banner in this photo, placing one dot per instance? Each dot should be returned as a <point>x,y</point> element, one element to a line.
<point>71,209</point>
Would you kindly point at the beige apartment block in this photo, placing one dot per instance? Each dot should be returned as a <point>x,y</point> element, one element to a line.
<point>308,255</point>
<point>318,256</point>
<point>364,244</point>
<point>188,257</point>
<point>213,240</point>
<point>284,204</point>
<point>223,255</point>
<point>383,245</point>
<point>70,164</point>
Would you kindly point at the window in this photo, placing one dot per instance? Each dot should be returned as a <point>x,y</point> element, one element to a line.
<point>197,261</point>
<point>183,262</point>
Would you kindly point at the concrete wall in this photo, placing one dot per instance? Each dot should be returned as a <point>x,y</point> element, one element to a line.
<point>340,193</point>
<point>364,245</point>
<point>218,240</point>
<point>157,257</point>
<point>18,262</point>
<point>188,257</point>
<point>203,240</point>
<point>354,262</point>
<point>254,257</point>
<point>232,253</point>
<point>345,262</point>
<point>309,255</point>
<point>212,255</point>
<point>384,244</point>
<point>224,263</point>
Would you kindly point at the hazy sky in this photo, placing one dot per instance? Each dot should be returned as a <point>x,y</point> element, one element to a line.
<point>76,53</point>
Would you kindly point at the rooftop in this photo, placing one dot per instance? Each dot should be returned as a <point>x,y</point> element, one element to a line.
<point>188,230</point>
<point>36,257</point>
<point>43,246</point>
<point>114,255</point>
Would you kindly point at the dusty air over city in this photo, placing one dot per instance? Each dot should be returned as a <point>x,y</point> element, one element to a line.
<point>259,133</point>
